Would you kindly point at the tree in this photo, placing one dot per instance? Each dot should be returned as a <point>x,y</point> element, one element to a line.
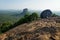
<point>4,27</point>
<point>34,16</point>
<point>26,19</point>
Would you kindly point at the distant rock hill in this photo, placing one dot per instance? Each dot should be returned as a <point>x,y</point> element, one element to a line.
<point>42,29</point>
<point>22,13</point>
<point>25,11</point>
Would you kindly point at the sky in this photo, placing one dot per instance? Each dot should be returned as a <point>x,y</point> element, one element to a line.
<point>30,4</point>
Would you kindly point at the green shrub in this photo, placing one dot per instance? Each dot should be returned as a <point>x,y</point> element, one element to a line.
<point>4,27</point>
<point>26,19</point>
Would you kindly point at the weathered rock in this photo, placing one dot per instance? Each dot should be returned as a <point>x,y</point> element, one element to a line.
<point>46,13</point>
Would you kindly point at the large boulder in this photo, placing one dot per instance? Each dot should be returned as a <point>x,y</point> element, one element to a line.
<point>46,14</point>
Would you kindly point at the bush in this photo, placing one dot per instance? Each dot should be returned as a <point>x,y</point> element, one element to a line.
<point>34,16</point>
<point>4,27</point>
<point>26,19</point>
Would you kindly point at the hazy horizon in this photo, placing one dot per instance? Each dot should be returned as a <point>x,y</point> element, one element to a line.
<point>30,4</point>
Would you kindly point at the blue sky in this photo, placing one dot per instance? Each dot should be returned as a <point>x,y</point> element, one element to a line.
<point>30,4</point>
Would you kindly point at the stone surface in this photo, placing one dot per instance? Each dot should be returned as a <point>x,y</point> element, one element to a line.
<point>46,13</point>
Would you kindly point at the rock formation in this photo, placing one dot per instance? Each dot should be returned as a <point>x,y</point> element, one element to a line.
<point>25,11</point>
<point>46,13</point>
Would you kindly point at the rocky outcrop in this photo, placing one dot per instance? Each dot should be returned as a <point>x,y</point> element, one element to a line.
<point>46,13</point>
<point>25,11</point>
<point>43,29</point>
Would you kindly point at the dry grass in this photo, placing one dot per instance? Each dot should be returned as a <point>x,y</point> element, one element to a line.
<point>43,29</point>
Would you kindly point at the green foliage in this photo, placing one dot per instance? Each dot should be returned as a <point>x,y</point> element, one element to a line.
<point>34,16</point>
<point>29,18</point>
<point>26,19</point>
<point>4,27</point>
